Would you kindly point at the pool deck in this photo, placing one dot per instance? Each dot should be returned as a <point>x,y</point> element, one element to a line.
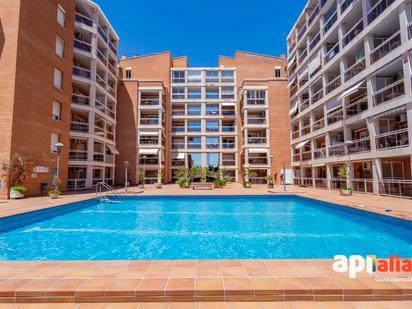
<point>199,281</point>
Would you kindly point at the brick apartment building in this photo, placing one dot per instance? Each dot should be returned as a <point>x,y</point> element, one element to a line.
<point>350,90</point>
<point>172,115</point>
<point>62,83</point>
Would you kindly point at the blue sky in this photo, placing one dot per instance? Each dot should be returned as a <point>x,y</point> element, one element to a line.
<point>202,29</point>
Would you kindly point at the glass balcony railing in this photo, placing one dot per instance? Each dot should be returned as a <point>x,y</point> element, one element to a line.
<point>305,130</point>
<point>360,145</point>
<point>83,46</point>
<point>392,139</point>
<point>258,121</point>
<point>77,126</point>
<point>319,153</point>
<point>102,33</point>
<point>149,121</point>
<point>396,187</point>
<point>256,140</point>
<point>353,33</point>
<point>83,19</point>
<point>330,22</point>
<point>378,9</point>
<point>333,84</point>
<point>314,42</point>
<point>389,93</point>
<point>80,99</point>
<point>317,96</point>
<point>337,150</point>
<point>386,47</point>
<point>332,53</point>
<point>81,72</point>
<point>345,4</point>
<point>313,15</point>
<point>77,155</point>
<point>318,124</point>
<point>357,107</point>
<point>355,69</point>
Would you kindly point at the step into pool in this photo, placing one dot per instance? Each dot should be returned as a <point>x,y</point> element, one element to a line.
<point>201,227</point>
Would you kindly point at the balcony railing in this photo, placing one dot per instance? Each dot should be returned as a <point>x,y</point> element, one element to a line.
<point>256,140</point>
<point>149,121</point>
<point>338,183</point>
<point>258,161</point>
<point>80,99</point>
<point>228,145</point>
<point>177,162</point>
<point>318,124</point>
<point>77,155</point>
<point>178,112</point>
<point>75,184</point>
<point>212,129</point>
<point>212,145</point>
<point>319,153</point>
<point>258,121</point>
<point>333,84</point>
<point>101,56</point>
<point>112,47</point>
<point>98,156</point>
<point>194,145</point>
<point>345,4</point>
<point>149,141</point>
<point>102,33</point>
<point>295,134</point>
<point>410,30</point>
<point>296,157</point>
<point>307,155</point>
<point>386,47</point>
<point>301,32</point>
<point>362,185</point>
<point>305,130</point>
<point>393,139</point>
<point>355,69</point>
<point>330,22</point>
<point>81,45</point>
<point>317,96</point>
<point>228,162</point>
<point>304,105</point>
<point>332,53</point>
<point>314,42</point>
<point>321,183</point>
<point>228,112</point>
<point>313,15</point>
<point>149,161</point>
<point>82,72</point>
<point>353,33</point>
<point>357,107</point>
<point>194,128</point>
<point>334,116</point>
<point>389,93</point>
<point>396,187</point>
<point>360,145</point>
<point>228,129</point>
<point>337,150</point>
<point>150,102</point>
<point>83,19</point>
<point>76,126</point>
<point>178,145</point>
<point>302,56</point>
<point>378,9</point>
<point>178,129</point>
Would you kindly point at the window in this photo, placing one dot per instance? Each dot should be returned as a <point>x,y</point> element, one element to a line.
<point>212,76</point>
<point>228,92</point>
<point>61,16</point>
<point>212,93</point>
<point>56,111</point>
<point>228,76</point>
<point>58,78</point>
<point>212,142</point>
<point>277,71</point>
<point>128,73</point>
<point>178,93</point>
<point>212,126</point>
<point>55,138</point>
<point>178,77</point>
<point>195,160</point>
<point>212,110</point>
<point>194,76</point>
<point>194,110</point>
<point>194,126</point>
<point>59,47</point>
<point>213,160</point>
<point>194,93</point>
<point>392,170</point>
<point>194,143</point>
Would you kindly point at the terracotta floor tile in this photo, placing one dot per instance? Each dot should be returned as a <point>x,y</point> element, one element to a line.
<point>139,264</point>
<point>245,305</point>
<point>209,286</point>
<point>186,263</point>
<point>178,285</point>
<point>294,286</point>
<point>151,286</point>
<point>282,271</point>
<point>65,287</point>
<point>235,285</point>
<point>80,273</point>
<point>253,263</point>
<point>215,305</point>
<point>275,263</point>
<point>153,306</point>
<point>184,306</point>
<point>236,272</point>
<point>95,287</point>
<point>132,273</point>
<point>230,263</point>
<point>122,306</point>
<point>379,287</point>
<point>8,287</point>
<point>163,263</point>
<point>35,287</point>
<point>122,287</point>
<point>258,272</point>
<point>208,263</point>
<point>107,273</point>
<point>276,305</point>
<point>266,285</point>
<point>91,306</point>
<point>350,286</point>
<point>209,272</point>
<point>183,272</point>
<point>323,286</point>
<point>158,272</point>
<point>309,271</point>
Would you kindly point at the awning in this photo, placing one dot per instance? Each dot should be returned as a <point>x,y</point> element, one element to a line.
<point>113,149</point>
<point>318,165</point>
<point>147,133</point>
<point>351,90</point>
<point>258,150</point>
<point>178,156</point>
<point>300,145</point>
<point>314,63</point>
<point>392,111</point>
<point>228,104</point>
<point>294,109</point>
<point>148,151</point>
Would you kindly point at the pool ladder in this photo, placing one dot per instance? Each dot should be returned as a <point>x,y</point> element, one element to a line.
<point>105,191</point>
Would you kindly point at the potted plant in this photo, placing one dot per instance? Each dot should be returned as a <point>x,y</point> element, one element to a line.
<point>183,182</point>
<point>17,191</point>
<point>140,178</point>
<point>270,181</point>
<point>218,183</point>
<point>54,194</point>
<point>246,175</point>
<point>343,173</point>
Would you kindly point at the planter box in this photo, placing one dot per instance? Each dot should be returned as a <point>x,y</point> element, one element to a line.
<point>346,192</point>
<point>15,195</point>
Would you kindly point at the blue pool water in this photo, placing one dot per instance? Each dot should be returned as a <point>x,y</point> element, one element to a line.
<point>201,228</point>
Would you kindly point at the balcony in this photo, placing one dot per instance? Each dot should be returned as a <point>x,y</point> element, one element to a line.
<point>319,153</point>
<point>305,130</point>
<point>83,46</point>
<point>81,72</point>
<point>345,4</point>
<point>194,129</point>
<point>80,99</point>
<point>313,15</point>
<point>257,140</point>
<point>98,156</point>
<point>75,184</point>
<point>230,128</point>
<point>149,161</point>
<point>307,155</point>
<point>212,145</point>
<point>357,107</point>
<point>113,48</point>
<point>355,69</point>
<point>332,53</point>
<point>102,33</point>
<point>228,162</point>
<point>386,47</point>
<point>330,22</point>
<point>194,145</point>
<point>212,128</point>
<point>396,187</point>
<point>392,139</point>
<point>353,33</point>
<point>389,93</point>
<point>77,155</point>
<point>76,126</point>
<point>378,9</point>
<point>228,145</point>
<point>101,56</point>
<point>333,84</point>
<point>337,150</point>
<point>149,121</point>
<point>302,55</point>
<point>149,141</point>
<point>318,124</point>
<point>178,129</point>
<point>295,134</point>
<point>256,121</point>
<point>360,145</point>
<point>334,116</point>
<point>314,42</point>
<point>258,161</point>
<point>228,112</point>
<point>317,96</point>
<point>83,19</point>
<point>178,145</point>
<point>301,33</point>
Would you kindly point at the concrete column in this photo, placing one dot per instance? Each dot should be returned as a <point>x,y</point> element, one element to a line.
<point>409,117</point>
<point>327,144</point>
<point>369,87</point>
<point>370,122</point>
<point>329,175</point>
<point>368,45</point>
<point>375,176</point>
<point>313,175</point>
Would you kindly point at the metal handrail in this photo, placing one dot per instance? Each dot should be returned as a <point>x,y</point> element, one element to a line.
<point>102,195</point>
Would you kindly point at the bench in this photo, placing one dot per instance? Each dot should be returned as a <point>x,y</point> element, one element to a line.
<point>202,186</point>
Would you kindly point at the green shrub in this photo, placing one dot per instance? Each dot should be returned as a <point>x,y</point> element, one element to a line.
<point>183,182</point>
<point>19,188</point>
<point>54,192</point>
<point>219,183</point>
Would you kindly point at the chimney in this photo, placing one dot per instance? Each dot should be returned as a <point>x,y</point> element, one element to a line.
<point>123,57</point>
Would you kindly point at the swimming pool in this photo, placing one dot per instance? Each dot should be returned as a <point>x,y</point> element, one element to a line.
<point>207,227</point>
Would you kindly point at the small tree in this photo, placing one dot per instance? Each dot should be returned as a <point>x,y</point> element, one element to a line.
<point>140,177</point>
<point>344,173</point>
<point>14,170</point>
